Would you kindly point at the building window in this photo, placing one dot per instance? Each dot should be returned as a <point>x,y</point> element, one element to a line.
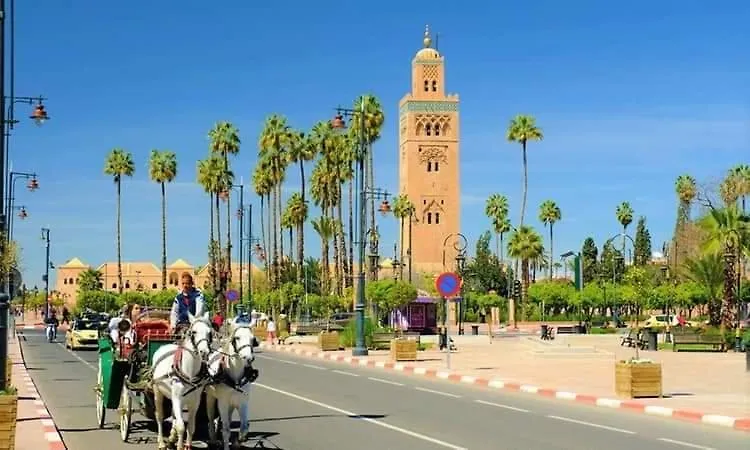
<point>127,285</point>
<point>153,286</point>
<point>434,86</point>
<point>429,218</point>
<point>114,285</point>
<point>65,281</point>
<point>428,129</point>
<point>70,281</point>
<point>437,130</point>
<point>437,218</point>
<point>424,202</point>
<point>429,166</point>
<point>426,86</point>
<point>437,166</point>
<point>442,202</point>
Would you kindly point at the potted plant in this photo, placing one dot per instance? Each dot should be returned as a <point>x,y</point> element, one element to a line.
<point>8,416</point>
<point>328,340</point>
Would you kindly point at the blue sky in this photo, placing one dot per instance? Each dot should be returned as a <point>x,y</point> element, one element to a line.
<point>628,98</point>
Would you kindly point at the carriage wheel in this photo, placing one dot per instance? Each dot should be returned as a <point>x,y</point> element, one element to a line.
<point>100,409</point>
<point>126,411</point>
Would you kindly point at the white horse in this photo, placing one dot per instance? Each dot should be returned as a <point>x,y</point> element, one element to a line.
<point>231,367</point>
<point>178,374</point>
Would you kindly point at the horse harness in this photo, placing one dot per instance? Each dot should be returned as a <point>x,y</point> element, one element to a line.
<point>249,373</point>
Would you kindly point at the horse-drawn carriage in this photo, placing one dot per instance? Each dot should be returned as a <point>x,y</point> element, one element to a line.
<point>135,373</point>
<point>124,367</point>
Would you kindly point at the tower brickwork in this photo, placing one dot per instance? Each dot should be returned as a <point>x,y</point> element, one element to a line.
<point>429,162</point>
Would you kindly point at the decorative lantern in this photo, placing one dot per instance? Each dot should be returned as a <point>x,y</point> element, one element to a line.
<point>40,114</point>
<point>338,122</point>
<point>385,207</point>
<point>33,184</point>
<point>22,214</point>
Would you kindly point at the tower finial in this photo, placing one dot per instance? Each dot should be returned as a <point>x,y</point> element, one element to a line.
<point>427,39</point>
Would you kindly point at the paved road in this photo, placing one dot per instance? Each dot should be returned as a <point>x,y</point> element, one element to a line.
<point>305,404</point>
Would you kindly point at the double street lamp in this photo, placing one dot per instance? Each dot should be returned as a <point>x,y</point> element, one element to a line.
<point>339,124</point>
<point>45,238</point>
<point>459,246</point>
<point>253,246</point>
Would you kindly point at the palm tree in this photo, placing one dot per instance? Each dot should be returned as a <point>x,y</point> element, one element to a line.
<point>526,245</point>
<point>496,210</point>
<point>211,173</point>
<point>325,227</point>
<point>728,231</point>
<point>740,174</point>
<point>297,216</point>
<point>262,185</point>
<point>162,168</point>
<point>224,140</point>
<point>501,227</point>
<point>273,146</point>
<point>90,280</point>
<point>708,272</point>
<point>119,163</point>
<point>624,214</point>
<point>523,129</point>
<point>373,120</point>
<point>549,214</point>
<point>302,149</point>
<point>686,190</point>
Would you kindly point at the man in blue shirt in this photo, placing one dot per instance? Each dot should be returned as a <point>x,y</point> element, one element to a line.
<point>189,300</point>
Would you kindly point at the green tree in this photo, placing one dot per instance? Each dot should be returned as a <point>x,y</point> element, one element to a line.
<point>708,272</point>
<point>642,252</point>
<point>550,214</point>
<point>523,129</point>
<point>119,164</point>
<point>90,280</point>
<point>589,254</point>
<point>496,210</point>
<point>624,214</point>
<point>484,273</point>
<point>163,169</point>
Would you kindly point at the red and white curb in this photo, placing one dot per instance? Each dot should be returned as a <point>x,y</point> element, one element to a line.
<point>51,433</point>
<point>737,423</point>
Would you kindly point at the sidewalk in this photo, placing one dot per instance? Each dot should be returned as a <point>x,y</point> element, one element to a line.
<point>705,387</point>
<point>35,429</point>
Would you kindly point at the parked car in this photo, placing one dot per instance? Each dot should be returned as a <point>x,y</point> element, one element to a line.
<point>663,320</point>
<point>83,333</point>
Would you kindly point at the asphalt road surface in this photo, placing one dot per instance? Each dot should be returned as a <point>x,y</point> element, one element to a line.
<point>306,404</point>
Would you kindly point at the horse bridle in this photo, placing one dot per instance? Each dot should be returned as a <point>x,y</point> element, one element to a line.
<point>191,335</point>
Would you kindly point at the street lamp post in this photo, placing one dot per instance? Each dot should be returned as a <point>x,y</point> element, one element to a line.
<point>396,265</point>
<point>250,239</point>
<point>240,223</point>
<point>45,238</point>
<point>32,185</point>
<point>338,123</point>
<point>374,255</point>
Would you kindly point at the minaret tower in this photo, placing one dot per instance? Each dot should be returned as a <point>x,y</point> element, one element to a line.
<point>429,161</point>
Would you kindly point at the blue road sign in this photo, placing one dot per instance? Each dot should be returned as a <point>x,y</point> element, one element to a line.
<point>448,284</point>
<point>232,295</point>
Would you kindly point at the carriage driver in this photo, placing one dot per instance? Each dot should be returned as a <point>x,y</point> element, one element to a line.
<point>190,299</point>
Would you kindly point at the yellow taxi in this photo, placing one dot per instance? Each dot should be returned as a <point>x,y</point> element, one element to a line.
<point>82,334</point>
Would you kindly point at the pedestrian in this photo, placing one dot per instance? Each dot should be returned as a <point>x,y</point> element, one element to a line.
<point>66,315</point>
<point>271,329</point>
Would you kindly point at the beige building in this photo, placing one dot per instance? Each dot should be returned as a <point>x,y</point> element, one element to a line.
<point>429,160</point>
<point>136,276</point>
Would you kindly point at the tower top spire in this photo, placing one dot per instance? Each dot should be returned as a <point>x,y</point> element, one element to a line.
<point>427,39</point>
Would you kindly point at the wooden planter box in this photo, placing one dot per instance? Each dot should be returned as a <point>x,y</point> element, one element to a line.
<point>8,415</point>
<point>328,340</point>
<point>638,380</point>
<point>403,350</point>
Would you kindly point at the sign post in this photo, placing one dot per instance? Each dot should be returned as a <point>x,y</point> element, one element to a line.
<point>232,295</point>
<point>448,284</point>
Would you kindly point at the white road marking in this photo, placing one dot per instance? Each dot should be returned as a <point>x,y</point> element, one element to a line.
<point>365,419</point>
<point>685,444</point>
<point>313,366</point>
<point>589,424</point>
<point>285,361</point>
<point>500,405</point>
<point>437,392</point>
<point>380,380</point>
<point>341,372</point>
<point>78,357</point>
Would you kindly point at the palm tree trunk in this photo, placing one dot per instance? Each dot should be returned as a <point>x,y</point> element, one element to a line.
<point>401,246</point>
<point>119,236</point>
<point>497,245</point>
<point>342,243</point>
<point>551,250</point>
<point>263,235</point>
<point>280,211</point>
<point>525,181</point>
<point>300,251</point>
<point>351,231</point>
<point>163,236</point>
<point>524,286</point>
<point>274,232</point>
<point>218,283</point>
<point>502,253</point>
<point>336,252</point>
<point>370,183</point>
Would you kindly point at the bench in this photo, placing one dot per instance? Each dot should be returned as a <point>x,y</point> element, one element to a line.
<point>715,343</point>
<point>568,329</point>
<point>634,338</point>
<point>382,341</point>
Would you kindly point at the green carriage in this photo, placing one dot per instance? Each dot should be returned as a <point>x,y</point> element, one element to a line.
<point>124,370</point>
